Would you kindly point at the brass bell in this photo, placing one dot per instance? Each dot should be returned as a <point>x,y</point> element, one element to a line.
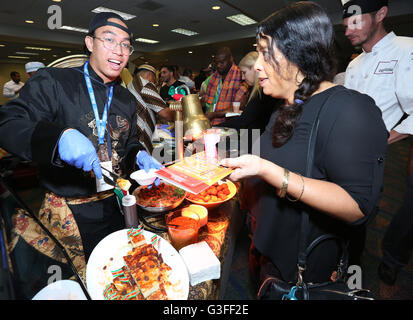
<point>194,120</point>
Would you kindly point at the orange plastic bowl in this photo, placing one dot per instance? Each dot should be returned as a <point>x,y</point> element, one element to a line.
<point>210,205</point>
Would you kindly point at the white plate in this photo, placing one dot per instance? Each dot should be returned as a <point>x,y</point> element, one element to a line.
<point>107,256</point>
<point>61,290</point>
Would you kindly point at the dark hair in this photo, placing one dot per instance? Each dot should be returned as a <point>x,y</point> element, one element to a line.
<point>304,34</point>
<point>187,72</point>
<point>13,73</point>
<point>171,68</point>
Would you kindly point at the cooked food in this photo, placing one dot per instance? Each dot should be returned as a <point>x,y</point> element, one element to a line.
<point>144,274</point>
<point>215,193</point>
<point>123,184</point>
<point>163,195</point>
<point>135,236</point>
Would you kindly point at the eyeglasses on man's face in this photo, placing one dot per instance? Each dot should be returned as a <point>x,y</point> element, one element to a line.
<point>111,44</point>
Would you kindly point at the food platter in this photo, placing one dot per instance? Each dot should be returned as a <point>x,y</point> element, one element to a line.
<point>213,204</point>
<point>160,198</point>
<point>107,256</point>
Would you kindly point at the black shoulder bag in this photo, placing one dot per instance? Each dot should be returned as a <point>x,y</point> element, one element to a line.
<point>273,288</point>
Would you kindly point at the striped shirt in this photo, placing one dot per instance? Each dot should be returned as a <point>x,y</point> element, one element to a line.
<point>149,103</point>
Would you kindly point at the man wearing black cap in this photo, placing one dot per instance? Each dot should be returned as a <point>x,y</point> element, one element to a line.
<point>72,122</point>
<point>384,70</point>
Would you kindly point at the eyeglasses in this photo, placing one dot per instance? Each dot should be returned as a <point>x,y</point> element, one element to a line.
<point>111,44</point>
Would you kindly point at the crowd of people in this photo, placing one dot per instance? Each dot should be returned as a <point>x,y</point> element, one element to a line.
<point>70,121</point>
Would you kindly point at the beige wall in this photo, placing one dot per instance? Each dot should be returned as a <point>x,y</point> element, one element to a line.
<point>5,69</point>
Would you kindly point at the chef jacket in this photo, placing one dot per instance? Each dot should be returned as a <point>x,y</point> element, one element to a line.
<point>386,74</point>
<point>10,87</point>
<point>55,99</point>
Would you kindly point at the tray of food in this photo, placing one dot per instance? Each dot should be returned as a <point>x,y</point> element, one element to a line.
<point>161,198</point>
<point>215,195</point>
<point>135,264</point>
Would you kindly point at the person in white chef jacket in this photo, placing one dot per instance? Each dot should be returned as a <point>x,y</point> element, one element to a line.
<point>384,70</point>
<point>12,88</point>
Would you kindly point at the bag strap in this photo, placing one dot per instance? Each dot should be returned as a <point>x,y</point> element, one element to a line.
<point>304,251</point>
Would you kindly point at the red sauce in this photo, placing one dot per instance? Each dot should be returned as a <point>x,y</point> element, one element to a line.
<point>185,232</point>
<point>183,223</point>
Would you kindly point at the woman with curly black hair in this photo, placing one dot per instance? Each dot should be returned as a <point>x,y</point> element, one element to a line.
<point>296,64</point>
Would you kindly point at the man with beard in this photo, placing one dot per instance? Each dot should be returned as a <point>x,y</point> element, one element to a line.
<point>169,77</point>
<point>384,70</point>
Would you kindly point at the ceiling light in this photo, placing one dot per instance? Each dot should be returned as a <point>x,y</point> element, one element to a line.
<point>38,48</point>
<point>68,51</point>
<point>29,21</point>
<point>254,45</point>
<point>18,57</point>
<point>74,29</point>
<point>55,55</point>
<point>189,51</point>
<point>185,32</point>
<point>28,53</point>
<point>57,0</point>
<point>241,19</point>
<point>2,45</point>
<point>146,40</point>
<point>155,25</point>
<point>216,7</point>
<point>125,16</point>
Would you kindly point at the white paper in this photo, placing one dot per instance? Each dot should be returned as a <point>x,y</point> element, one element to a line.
<point>201,262</point>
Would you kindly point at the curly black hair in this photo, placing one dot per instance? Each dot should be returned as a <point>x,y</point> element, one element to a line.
<point>304,34</point>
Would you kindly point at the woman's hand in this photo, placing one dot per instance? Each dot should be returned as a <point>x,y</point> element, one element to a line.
<point>245,166</point>
<point>324,196</point>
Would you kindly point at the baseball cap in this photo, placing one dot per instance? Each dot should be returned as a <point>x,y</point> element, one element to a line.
<point>147,67</point>
<point>33,66</point>
<point>101,19</point>
<point>354,7</point>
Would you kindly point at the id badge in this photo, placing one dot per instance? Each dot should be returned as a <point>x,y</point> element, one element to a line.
<point>101,185</point>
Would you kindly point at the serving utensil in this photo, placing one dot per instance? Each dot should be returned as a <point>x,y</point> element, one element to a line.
<point>112,174</point>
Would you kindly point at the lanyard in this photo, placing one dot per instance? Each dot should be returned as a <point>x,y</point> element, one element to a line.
<point>100,123</point>
<point>218,93</point>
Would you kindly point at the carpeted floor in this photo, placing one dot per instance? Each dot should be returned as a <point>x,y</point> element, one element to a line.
<point>395,179</point>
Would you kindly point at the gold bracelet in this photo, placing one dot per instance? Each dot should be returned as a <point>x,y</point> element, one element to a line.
<point>302,190</point>
<point>283,190</point>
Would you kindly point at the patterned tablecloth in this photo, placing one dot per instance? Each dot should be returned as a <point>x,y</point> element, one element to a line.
<point>218,234</point>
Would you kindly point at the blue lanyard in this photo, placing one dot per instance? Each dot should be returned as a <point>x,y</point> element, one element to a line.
<point>100,123</point>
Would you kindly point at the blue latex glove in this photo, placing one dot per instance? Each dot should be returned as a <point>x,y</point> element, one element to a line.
<point>77,150</point>
<point>146,162</point>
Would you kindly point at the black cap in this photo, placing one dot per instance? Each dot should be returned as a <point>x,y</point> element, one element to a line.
<point>101,19</point>
<point>356,7</point>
